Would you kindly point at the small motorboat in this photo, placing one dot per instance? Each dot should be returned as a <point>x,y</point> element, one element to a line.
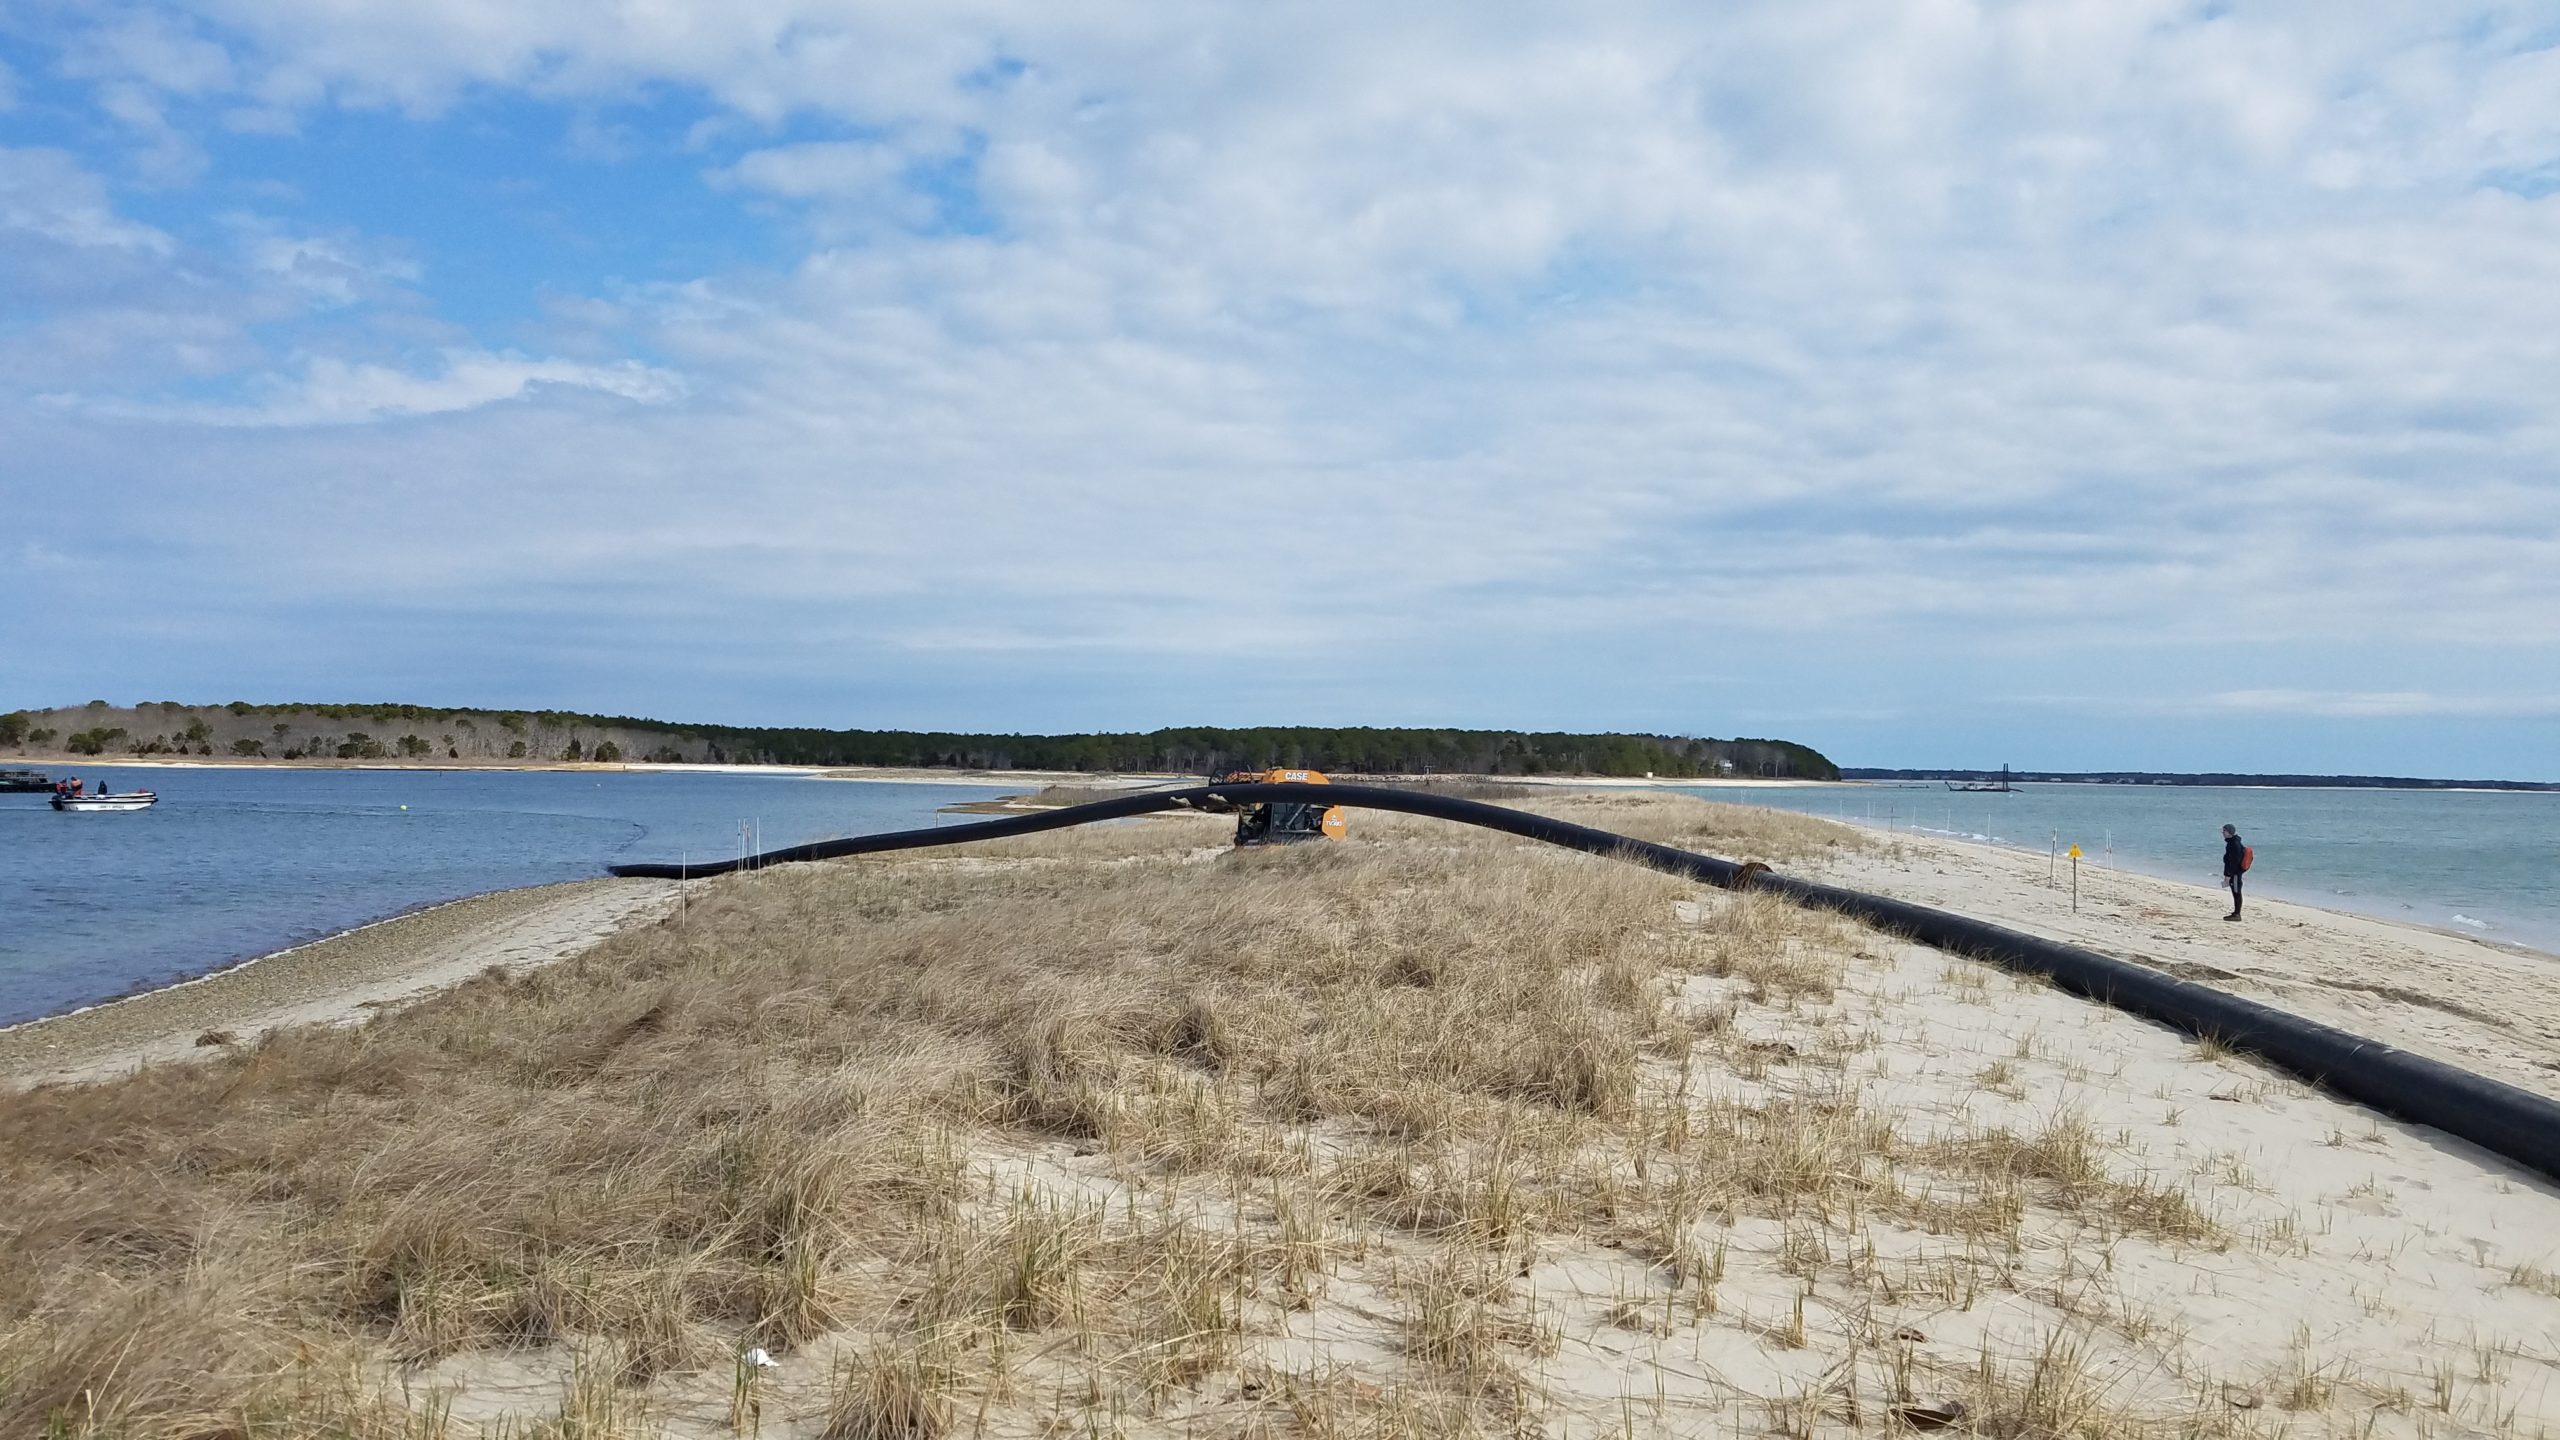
<point>129,800</point>
<point>24,782</point>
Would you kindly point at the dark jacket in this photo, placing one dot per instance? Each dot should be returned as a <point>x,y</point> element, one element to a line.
<point>2231,855</point>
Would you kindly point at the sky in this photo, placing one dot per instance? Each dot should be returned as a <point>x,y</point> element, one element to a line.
<point>2070,385</point>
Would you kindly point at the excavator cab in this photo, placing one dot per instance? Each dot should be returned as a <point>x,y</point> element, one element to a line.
<point>1289,821</point>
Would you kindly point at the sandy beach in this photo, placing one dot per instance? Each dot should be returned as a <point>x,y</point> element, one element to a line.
<point>2484,1006</point>
<point>344,977</point>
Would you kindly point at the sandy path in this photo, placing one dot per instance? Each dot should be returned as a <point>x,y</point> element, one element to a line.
<point>344,977</point>
<point>2490,1008</point>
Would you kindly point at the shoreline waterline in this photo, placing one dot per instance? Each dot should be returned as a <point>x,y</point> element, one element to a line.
<point>2479,1004</point>
<point>2479,864</point>
<point>227,967</point>
<point>234,864</point>
<point>334,979</point>
<point>2254,890</point>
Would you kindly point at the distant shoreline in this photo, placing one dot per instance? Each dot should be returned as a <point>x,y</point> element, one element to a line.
<point>2205,779</point>
<point>1853,778</point>
<point>894,774</point>
<point>404,733</point>
<point>74,764</point>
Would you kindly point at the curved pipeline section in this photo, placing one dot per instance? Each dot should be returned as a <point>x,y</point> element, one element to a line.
<point>2515,1123</point>
<point>1146,802</point>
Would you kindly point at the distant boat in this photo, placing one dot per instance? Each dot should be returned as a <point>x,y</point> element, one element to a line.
<point>2000,786</point>
<point>130,800</point>
<point>24,782</point>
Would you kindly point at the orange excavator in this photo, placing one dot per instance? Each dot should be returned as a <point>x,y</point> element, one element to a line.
<point>1288,821</point>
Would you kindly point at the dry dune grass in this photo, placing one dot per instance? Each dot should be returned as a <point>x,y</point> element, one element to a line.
<point>1734,831</point>
<point>1085,1133</point>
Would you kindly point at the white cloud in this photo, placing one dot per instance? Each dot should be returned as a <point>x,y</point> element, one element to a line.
<point>2112,326</point>
<point>332,391</point>
<point>835,170</point>
<point>35,555</point>
<point>332,270</point>
<point>2382,704</point>
<point>2281,703</point>
<point>167,156</point>
<point>46,193</point>
<point>2516,115</point>
<point>272,120</point>
<point>152,49</point>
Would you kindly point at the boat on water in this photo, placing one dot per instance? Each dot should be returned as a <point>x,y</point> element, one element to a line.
<point>2000,786</point>
<point>24,782</point>
<point>130,800</point>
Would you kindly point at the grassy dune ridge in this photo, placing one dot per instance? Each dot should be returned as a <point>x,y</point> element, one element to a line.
<point>1431,1133</point>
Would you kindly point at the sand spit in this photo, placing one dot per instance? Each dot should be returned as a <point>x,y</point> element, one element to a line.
<point>344,977</point>
<point>1109,1132</point>
<point>2486,1007</point>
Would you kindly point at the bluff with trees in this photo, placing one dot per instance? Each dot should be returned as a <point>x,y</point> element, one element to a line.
<point>427,733</point>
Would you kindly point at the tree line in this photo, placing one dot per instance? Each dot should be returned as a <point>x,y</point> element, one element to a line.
<point>1352,749</point>
<point>316,731</point>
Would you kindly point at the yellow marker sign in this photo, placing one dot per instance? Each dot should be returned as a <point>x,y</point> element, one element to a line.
<point>2075,852</point>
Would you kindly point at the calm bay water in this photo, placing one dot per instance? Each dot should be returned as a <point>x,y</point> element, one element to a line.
<point>2481,863</point>
<point>235,863</point>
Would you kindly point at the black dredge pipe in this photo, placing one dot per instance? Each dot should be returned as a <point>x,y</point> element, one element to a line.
<point>1146,802</point>
<point>2515,1123</point>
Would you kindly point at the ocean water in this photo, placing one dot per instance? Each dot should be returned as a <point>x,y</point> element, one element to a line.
<point>2481,863</point>
<point>236,862</point>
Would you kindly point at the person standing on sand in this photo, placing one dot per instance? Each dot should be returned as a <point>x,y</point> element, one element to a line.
<point>2235,863</point>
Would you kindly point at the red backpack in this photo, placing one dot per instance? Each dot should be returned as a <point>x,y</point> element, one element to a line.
<point>2248,856</point>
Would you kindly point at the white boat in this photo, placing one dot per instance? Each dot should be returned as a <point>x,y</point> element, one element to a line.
<point>130,800</point>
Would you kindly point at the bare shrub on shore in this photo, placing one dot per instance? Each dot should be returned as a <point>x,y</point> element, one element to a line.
<point>1067,1134</point>
<point>1473,787</point>
<point>1061,796</point>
